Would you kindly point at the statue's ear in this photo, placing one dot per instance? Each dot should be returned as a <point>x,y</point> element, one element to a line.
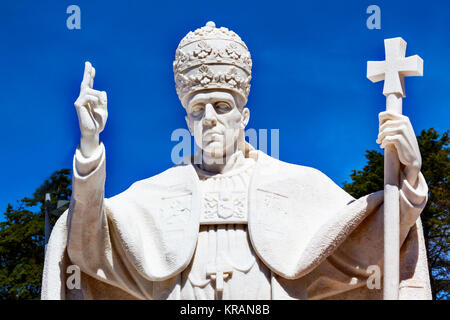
<point>188,122</point>
<point>245,117</point>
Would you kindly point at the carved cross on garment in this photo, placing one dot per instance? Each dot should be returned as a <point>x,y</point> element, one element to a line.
<point>218,272</point>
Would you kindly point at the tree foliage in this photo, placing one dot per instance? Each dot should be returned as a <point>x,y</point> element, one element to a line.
<point>22,238</point>
<point>435,216</point>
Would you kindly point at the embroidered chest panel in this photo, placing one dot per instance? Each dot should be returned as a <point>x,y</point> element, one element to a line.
<point>224,207</point>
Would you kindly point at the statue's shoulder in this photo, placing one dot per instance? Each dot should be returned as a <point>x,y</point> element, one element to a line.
<point>172,176</point>
<point>295,179</point>
<point>179,177</point>
<point>286,170</point>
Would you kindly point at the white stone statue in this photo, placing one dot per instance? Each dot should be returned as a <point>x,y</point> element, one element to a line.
<point>238,225</point>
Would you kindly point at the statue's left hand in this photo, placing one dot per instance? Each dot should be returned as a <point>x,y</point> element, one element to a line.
<point>395,129</point>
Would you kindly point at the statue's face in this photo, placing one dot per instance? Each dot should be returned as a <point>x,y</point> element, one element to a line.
<point>216,121</point>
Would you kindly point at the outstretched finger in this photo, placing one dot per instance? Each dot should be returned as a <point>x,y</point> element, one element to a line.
<point>91,83</point>
<point>87,75</point>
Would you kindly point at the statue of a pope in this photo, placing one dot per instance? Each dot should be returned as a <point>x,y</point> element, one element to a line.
<point>237,225</point>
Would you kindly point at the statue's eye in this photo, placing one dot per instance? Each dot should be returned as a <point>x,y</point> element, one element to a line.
<point>197,110</point>
<point>222,107</point>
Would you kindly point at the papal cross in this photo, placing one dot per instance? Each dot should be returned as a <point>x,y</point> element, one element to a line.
<point>218,272</point>
<point>392,71</point>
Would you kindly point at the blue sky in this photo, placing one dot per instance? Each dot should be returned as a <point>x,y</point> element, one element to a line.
<point>309,67</point>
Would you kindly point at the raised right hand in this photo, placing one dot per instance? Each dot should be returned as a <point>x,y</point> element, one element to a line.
<point>92,111</point>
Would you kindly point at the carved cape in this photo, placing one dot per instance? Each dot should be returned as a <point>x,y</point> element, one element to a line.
<point>316,239</point>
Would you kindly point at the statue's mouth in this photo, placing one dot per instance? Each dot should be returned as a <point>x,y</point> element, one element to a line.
<point>212,134</point>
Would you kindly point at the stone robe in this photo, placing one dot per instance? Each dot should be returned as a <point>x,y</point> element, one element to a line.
<point>307,237</point>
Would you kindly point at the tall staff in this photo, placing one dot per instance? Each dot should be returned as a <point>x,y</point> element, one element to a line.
<point>392,71</point>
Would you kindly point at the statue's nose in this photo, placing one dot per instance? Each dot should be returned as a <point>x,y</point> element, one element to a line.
<point>210,118</point>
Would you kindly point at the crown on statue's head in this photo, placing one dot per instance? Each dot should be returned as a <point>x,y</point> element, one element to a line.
<point>212,58</point>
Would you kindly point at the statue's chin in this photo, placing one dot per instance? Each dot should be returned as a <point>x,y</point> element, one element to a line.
<point>214,149</point>
<point>217,149</point>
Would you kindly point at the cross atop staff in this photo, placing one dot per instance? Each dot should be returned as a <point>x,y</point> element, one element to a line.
<point>393,70</point>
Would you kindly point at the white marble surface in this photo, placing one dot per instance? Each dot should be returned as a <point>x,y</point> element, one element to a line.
<point>241,224</point>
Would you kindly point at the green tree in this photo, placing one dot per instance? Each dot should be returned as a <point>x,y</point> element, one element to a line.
<point>22,239</point>
<point>435,216</point>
